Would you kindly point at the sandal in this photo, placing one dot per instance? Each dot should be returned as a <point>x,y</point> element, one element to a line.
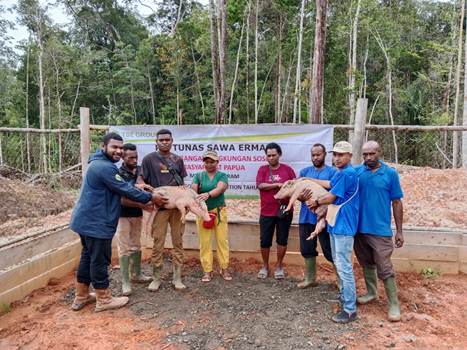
<point>263,273</point>
<point>206,277</point>
<point>279,274</point>
<point>226,275</point>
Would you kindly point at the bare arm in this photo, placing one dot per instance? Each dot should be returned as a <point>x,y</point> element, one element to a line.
<point>328,198</point>
<point>323,183</point>
<point>398,213</point>
<point>129,203</point>
<point>267,187</point>
<point>220,188</point>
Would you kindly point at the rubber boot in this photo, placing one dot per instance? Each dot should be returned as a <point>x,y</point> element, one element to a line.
<point>125,270</point>
<point>156,279</point>
<point>105,300</point>
<point>310,274</point>
<point>135,268</point>
<point>394,312</point>
<point>371,281</point>
<point>82,297</point>
<point>177,278</point>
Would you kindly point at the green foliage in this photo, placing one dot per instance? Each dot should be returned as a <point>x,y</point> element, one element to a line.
<point>428,272</point>
<point>134,70</point>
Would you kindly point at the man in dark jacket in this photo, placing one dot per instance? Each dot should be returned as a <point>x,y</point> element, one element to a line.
<point>95,219</point>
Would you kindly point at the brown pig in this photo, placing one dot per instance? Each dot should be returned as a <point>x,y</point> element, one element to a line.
<point>293,189</point>
<point>181,198</point>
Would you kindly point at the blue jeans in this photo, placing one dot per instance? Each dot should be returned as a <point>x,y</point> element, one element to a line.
<point>341,247</point>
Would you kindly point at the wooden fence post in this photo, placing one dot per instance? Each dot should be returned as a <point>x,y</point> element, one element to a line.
<point>1,150</point>
<point>359,130</point>
<point>85,139</point>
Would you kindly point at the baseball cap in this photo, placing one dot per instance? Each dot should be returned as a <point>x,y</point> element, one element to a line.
<point>211,154</point>
<point>342,147</point>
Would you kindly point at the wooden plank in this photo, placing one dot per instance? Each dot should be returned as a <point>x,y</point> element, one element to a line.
<point>410,265</point>
<point>427,252</point>
<point>39,264</point>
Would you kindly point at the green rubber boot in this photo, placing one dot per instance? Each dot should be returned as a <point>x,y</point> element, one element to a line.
<point>125,270</point>
<point>371,281</point>
<point>177,278</point>
<point>156,278</point>
<point>310,274</point>
<point>394,312</point>
<point>135,267</point>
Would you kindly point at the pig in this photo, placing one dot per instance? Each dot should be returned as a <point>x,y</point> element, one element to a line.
<point>294,188</point>
<point>180,197</point>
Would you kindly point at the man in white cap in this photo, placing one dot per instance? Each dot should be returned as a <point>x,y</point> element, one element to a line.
<point>343,205</point>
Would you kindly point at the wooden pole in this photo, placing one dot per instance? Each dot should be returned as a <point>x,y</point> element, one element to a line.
<point>85,140</point>
<point>1,151</point>
<point>359,130</point>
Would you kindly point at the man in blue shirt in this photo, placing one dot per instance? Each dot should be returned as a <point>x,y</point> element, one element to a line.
<point>342,218</point>
<point>379,187</point>
<point>307,219</point>
<point>95,217</point>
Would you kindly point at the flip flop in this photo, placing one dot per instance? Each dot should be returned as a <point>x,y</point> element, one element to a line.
<point>279,274</point>
<point>206,277</point>
<point>226,275</point>
<point>263,273</point>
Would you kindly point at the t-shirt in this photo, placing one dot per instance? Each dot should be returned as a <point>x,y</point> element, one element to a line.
<point>128,176</point>
<point>156,173</point>
<point>270,205</point>
<point>205,184</point>
<point>344,185</point>
<point>377,190</point>
<point>325,173</point>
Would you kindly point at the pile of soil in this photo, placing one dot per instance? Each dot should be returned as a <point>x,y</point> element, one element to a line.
<point>245,313</point>
<point>22,204</point>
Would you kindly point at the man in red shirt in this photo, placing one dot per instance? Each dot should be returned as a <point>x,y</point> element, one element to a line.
<point>269,180</point>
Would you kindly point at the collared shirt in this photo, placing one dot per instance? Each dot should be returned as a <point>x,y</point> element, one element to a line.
<point>206,184</point>
<point>344,185</point>
<point>377,190</point>
<point>324,173</point>
<point>130,177</point>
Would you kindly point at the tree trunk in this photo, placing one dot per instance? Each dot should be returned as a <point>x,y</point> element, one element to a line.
<point>353,65</point>
<point>464,112</point>
<point>214,60</point>
<point>237,62</point>
<point>317,81</point>
<point>256,61</point>
<point>28,146</point>
<point>41,92</point>
<point>298,71</point>
<point>247,62</point>
<point>455,135</point>
<point>389,88</point>
<point>277,99</point>
<point>151,91</point>
<point>222,58</point>
<point>198,84</point>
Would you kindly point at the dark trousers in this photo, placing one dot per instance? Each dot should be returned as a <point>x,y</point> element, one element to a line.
<point>94,263</point>
<point>267,225</point>
<point>308,248</point>
<point>375,252</point>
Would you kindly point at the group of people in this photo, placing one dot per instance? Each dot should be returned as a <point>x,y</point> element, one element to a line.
<point>358,205</point>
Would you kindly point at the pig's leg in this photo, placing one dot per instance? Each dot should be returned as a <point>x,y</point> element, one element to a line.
<point>292,199</point>
<point>148,219</point>
<point>320,225</point>
<point>181,207</point>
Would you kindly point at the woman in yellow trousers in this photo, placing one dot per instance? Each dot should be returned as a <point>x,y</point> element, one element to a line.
<point>211,185</point>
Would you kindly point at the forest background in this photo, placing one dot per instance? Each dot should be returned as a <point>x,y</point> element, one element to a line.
<point>226,61</point>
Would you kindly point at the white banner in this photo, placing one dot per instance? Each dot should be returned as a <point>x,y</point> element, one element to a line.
<point>240,147</point>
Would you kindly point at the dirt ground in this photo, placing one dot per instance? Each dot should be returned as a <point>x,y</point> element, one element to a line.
<point>242,314</point>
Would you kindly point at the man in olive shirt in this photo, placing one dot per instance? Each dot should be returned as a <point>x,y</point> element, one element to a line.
<point>163,168</point>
